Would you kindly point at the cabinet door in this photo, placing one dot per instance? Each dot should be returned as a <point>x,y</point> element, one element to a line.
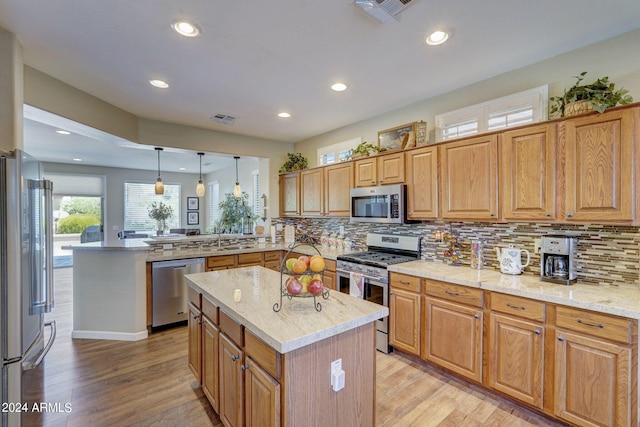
<point>469,179</point>
<point>593,381</point>
<point>311,192</point>
<point>366,172</point>
<point>231,384</point>
<point>338,181</point>
<point>599,161</point>
<point>262,397</point>
<point>422,183</point>
<point>195,342</point>
<point>391,169</point>
<point>454,337</point>
<point>528,173</point>
<point>210,387</point>
<point>290,194</point>
<point>404,320</point>
<point>516,365</point>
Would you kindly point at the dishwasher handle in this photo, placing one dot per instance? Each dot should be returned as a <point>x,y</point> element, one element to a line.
<point>178,263</point>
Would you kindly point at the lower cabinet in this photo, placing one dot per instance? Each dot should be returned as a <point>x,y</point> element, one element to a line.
<point>262,397</point>
<point>230,361</point>
<point>210,370</point>
<point>404,309</point>
<point>195,340</point>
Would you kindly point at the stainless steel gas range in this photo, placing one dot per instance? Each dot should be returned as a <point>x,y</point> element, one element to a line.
<point>364,274</point>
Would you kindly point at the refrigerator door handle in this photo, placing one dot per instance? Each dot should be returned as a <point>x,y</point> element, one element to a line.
<point>41,199</point>
<point>28,364</point>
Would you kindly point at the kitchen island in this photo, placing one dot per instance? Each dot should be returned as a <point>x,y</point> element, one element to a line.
<point>283,359</point>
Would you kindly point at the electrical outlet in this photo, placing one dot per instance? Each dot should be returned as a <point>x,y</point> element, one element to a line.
<point>278,227</point>
<point>337,375</point>
<point>537,244</point>
<point>167,246</point>
<point>342,229</point>
<point>336,365</point>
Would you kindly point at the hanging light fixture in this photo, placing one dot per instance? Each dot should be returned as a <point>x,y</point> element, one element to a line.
<point>159,184</point>
<point>237,190</point>
<point>200,186</point>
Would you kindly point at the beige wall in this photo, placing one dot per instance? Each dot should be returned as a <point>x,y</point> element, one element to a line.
<point>616,57</point>
<point>11,92</point>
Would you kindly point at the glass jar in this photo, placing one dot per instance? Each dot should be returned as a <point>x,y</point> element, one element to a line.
<point>346,244</point>
<point>339,242</point>
<point>477,254</point>
<point>332,240</point>
<point>324,239</point>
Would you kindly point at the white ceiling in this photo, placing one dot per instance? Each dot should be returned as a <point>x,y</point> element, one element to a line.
<point>256,58</point>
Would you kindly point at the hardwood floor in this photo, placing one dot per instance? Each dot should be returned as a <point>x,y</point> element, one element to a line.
<point>145,383</point>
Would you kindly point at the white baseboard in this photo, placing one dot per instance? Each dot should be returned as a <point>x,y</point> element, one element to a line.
<point>106,335</point>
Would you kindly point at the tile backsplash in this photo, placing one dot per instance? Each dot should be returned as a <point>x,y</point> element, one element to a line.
<point>607,255</point>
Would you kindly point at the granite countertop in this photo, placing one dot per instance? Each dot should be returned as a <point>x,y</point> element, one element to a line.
<point>112,245</point>
<point>297,324</point>
<point>621,301</point>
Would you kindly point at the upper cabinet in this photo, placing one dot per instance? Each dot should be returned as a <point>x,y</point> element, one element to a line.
<point>469,178</point>
<point>528,173</point>
<point>380,170</point>
<point>311,192</point>
<point>422,183</point>
<point>338,181</point>
<point>290,194</point>
<point>599,157</point>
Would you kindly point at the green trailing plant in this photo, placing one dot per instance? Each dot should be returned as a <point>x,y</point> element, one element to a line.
<point>233,210</point>
<point>601,93</point>
<point>295,162</point>
<point>365,148</point>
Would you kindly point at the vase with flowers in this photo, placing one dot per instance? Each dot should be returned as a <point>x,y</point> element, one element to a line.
<point>161,213</point>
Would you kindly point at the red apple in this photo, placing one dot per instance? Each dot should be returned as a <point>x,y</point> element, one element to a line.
<point>306,259</point>
<point>294,287</point>
<point>315,287</point>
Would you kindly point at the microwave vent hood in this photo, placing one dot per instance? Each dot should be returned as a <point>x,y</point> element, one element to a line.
<point>382,10</point>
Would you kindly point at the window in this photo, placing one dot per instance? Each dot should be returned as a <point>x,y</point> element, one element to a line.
<point>137,198</point>
<point>518,109</point>
<point>256,194</point>
<point>337,152</point>
<point>214,204</point>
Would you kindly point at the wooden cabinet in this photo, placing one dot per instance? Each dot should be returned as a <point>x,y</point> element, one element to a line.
<point>231,360</point>
<point>262,397</point>
<point>195,341</point>
<point>338,181</point>
<point>599,157</point>
<point>221,262</point>
<point>453,330</point>
<point>312,192</point>
<point>210,370</point>
<point>469,178</point>
<point>528,173</point>
<point>290,194</point>
<point>595,369</point>
<point>272,260</point>
<point>249,259</point>
<point>404,312</point>
<point>329,273</point>
<point>516,348</point>
<point>380,170</point>
<point>422,183</point>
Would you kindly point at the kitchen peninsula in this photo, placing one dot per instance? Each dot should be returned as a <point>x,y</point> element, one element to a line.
<point>286,358</point>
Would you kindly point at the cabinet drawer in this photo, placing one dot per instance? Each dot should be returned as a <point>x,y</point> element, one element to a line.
<point>596,324</point>
<point>195,297</point>
<point>457,293</point>
<point>272,256</point>
<point>221,261</point>
<point>250,258</point>
<point>272,265</point>
<point>210,310</point>
<point>263,355</point>
<point>521,307</point>
<point>403,281</point>
<point>330,265</point>
<point>231,328</point>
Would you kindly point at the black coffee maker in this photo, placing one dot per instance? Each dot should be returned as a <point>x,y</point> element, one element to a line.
<point>557,259</point>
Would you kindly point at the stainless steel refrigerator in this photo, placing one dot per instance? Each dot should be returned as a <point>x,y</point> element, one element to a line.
<point>26,272</point>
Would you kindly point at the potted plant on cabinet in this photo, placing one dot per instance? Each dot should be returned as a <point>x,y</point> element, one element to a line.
<point>364,149</point>
<point>295,162</point>
<point>581,98</point>
<point>161,213</point>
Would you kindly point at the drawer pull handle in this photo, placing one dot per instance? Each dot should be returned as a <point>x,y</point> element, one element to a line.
<point>595,325</point>
<point>537,332</point>
<point>519,307</point>
<point>404,282</point>
<point>234,357</point>
<point>244,367</point>
<point>448,292</point>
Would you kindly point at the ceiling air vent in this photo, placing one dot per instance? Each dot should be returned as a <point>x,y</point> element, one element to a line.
<point>383,10</point>
<point>223,119</point>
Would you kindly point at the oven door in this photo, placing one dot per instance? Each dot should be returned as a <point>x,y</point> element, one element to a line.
<point>372,290</point>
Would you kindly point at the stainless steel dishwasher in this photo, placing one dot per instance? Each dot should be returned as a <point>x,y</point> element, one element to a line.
<point>170,300</point>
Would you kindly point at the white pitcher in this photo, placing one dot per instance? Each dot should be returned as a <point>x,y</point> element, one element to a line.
<point>511,259</point>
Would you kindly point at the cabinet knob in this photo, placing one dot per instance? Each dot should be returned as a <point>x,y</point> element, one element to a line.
<point>570,215</point>
<point>548,214</point>
<point>234,357</point>
<point>560,338</point>
<point>477,316</point>
<point>195,316</point>
<point>492,214</point>
<point>244,367</point>
<point>537,332</point>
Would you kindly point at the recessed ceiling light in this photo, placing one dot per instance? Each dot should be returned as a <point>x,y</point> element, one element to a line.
<point>159,84</point>
<point>339,87</point>
<point>186,29</point>
<point>63,132</point>
<point>182,169</point>
<point>437,37</point>
<point>284,115</point>
<point>77,159</point>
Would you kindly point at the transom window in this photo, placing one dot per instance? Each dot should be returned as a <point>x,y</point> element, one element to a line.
<point>337,152</point>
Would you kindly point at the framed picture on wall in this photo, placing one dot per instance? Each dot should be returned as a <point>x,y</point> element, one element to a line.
<point>400,137</point>
<point>193,218</point>
<point>193,203</point>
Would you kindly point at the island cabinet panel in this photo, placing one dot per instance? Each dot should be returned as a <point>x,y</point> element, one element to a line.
<point>195,341</point>
<point>262,397</point>
<point>599,160</point>
<point>231,360</point>
<point>528,173</point>
<point>469,178</point>
<point>312,192</point>
<point>338,181</point>
<point>210,369</point>
<point>422,183</point>
<point>290,194</point>
<point>269,359</point>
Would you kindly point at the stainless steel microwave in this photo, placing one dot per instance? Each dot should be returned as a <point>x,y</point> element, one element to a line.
<point>384,204</point>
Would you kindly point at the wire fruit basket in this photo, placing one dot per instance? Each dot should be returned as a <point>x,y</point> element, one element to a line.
<point>308,275</point>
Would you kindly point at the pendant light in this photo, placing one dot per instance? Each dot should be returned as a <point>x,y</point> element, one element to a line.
<point>200,186</point>
<point>159,184</point>
<point>237,190</point>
